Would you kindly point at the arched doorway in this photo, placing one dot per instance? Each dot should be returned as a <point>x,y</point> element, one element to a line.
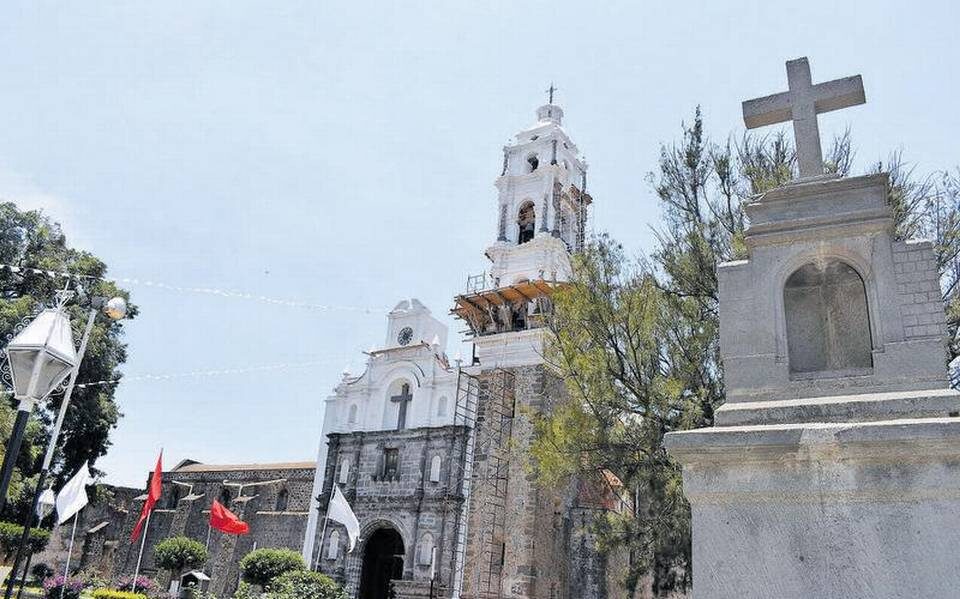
<point>382,562</point>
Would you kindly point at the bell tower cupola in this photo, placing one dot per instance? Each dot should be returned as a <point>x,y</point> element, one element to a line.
<point>542,209</point>
<point>542,203</point>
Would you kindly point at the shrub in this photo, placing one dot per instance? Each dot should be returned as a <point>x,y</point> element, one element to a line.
<point>261,566</point>
<point>304,584</point>
<point>41,571</point>
<point>115,594</point>
<point>10,538</point>
<point>72,587</point>
<point>179,553</point>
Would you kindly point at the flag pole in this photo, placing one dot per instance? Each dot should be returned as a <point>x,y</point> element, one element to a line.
<point>323,531</point>
<point>66,569</point>
<point>143,542</point>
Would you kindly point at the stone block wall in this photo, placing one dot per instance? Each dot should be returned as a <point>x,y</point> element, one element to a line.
<point>422,511</point>
<point>918,289</point>
<point>274,502</point>
<point>98,539</point>
<point>542,548</point>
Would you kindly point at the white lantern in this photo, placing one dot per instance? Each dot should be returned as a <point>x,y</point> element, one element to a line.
<point>46,503</point>
<point>42,355</point>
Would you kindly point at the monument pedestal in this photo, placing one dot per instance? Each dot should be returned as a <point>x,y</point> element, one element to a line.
<point>825,509</point>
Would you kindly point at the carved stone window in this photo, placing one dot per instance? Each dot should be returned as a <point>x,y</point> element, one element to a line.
<point>828,324</point>
<point>391,464</point>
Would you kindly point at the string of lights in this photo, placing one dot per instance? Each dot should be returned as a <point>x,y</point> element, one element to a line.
<point>226,293</point>
<point>206,373</point>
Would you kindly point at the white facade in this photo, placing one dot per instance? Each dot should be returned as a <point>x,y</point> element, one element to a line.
<point>412,364</point>
<point>542,171</point>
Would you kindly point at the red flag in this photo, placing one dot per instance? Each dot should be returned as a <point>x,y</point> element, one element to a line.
<point>226,521</point>
<point>153,496</point>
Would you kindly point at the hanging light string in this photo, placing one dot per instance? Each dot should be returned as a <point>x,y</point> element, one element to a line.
<point>207,373</point>
<point>198,290</point>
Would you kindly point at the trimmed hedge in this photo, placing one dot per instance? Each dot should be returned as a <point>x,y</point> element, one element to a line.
<point>114,594</point>
<point>263,565</point>
<point>179,553</point>
<point>10,538</point>
<point>304,584</point>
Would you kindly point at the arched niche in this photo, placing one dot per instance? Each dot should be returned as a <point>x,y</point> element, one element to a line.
<point>333,545</point>
<point>526,222</point>
<point>827,319</point>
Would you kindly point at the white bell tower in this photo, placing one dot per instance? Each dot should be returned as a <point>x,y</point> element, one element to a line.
<point>541,203</point>
<point>542,215</point>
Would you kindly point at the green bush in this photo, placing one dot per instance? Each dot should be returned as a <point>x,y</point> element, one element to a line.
<point>10,538</point>
<point>114,594</point>
<point>176,554</point>
<point>304,584</point>
<point>41,571</point>
<point>261,566</point>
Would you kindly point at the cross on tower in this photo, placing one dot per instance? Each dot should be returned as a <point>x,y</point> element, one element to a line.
<point>550,92</point>
<point>801,104</point>
<point>403,399</point>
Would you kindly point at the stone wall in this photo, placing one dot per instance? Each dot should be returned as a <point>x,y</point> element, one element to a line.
<point>918,288</point>
<point>419,509</point>
<point>526,540</point>
<point>99,533</point>
<point>273,501</point>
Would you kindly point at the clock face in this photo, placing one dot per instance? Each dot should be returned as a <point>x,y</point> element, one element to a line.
<point>405,336</point>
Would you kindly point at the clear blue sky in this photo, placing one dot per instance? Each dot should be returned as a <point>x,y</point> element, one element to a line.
<point>345,154</point>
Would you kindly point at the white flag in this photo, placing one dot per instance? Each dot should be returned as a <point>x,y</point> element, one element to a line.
<point>73,495</point>
<point>339,510</point>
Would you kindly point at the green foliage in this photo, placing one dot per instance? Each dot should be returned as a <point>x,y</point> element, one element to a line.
<point>31,239</point>
<point>245,591</point>
<point>637,340</point>
<point>10,538</point>
<point>179,553</point>
<point>114,594</point>
<point>304,584</point>
<point>41,571</point>
<point>261,566</point>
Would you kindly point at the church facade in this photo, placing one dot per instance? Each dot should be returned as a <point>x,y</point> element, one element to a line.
<point>434,457</point>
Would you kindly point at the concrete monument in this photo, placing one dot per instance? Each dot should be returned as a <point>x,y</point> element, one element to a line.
<point>833,470</point>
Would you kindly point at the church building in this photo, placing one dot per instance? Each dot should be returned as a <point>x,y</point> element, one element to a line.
<point>434,457</point>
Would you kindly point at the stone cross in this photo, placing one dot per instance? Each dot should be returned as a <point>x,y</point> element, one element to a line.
<point>550,91</point>
<point>403,399</point>
<point>801,104</point>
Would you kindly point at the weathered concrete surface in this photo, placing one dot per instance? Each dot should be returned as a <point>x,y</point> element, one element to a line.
<point>824,510</point>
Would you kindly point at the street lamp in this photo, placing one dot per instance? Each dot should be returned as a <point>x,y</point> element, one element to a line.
<point>40,357</point>
<point>115,309</point>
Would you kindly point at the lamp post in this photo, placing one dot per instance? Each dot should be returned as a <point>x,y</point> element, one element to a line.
<point>115,309</point>
<point>40,357</point>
